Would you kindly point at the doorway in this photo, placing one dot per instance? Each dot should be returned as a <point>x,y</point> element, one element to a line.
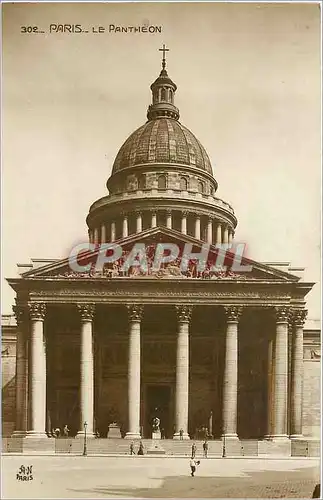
<point>158,404</point>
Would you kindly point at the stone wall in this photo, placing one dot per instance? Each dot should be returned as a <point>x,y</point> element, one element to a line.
<point>312,398</point>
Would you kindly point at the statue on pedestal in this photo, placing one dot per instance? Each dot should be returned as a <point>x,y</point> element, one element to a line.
<point>156,434</point>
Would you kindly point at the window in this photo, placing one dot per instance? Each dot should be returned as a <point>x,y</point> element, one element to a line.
<point>163,94</point>
<point>183,184</point>
<point>162,182</point>
<point>142,182</point>
<point>200,187</point>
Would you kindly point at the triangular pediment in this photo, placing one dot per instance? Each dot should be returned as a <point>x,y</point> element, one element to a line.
<point>149,240</point>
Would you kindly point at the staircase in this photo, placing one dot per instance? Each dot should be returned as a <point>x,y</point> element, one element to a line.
<point>170,447</point>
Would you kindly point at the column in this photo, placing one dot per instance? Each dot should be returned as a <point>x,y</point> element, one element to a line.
<point>21,372</point>
<point>125,227</point>
<point>87,370</point>
<point>270,376</point>
<point>279,427</point>
<point>139,222</point>
<point>230,236</point>
<point>209,234</point>
<point>113,231</point>
<point>135,313</point>
<point>103,234</point>
<point>198,227</point>
<point>182,371</point>
<point>96,236</point>
<point>299,318</point>
<point>219,234</point>
<point>37,393</point>
<point>230,379</point>
<point>169,219</point>
<point>91,238</point>
<point>153,219</point>
<point>226,235</point>
<point>184,223</point>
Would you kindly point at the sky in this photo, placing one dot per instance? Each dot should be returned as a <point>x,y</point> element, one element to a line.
<point>248,78</point>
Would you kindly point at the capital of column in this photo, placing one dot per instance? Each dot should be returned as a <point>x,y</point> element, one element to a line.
<point>184,213</point>
<point>135,312</point>
<point>138,213</point>
<point>184,313</point>
<point>298,317</point>
<point>37,311</point>
<point>233,313</point>
<point>20,313</point>
<point>282,314</point>
<point>86,311</point>
<point>168,212</point>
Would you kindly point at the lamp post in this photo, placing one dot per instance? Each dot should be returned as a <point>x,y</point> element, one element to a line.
<point>85,447</point>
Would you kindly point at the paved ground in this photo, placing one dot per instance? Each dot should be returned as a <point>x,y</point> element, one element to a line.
<point>156,477</point>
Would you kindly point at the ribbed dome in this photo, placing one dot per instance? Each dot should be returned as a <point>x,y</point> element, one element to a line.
<point>163,140</point>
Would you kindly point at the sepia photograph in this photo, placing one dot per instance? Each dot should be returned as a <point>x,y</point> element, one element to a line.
<point>161,249</point>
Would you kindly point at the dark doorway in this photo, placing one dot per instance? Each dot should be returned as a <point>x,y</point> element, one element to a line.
<point>158,404</point>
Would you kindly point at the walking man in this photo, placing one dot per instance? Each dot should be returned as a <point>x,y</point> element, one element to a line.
<point>132,449</point>
<point>193,464</point>
<point>181,433</point>
<point>193,450</point>
<point>205,448</point>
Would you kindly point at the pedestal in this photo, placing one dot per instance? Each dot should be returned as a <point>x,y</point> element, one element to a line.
<point>114,431</point>
<point>156,435</point>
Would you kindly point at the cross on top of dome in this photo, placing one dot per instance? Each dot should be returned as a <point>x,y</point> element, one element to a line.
<point>164,50</point>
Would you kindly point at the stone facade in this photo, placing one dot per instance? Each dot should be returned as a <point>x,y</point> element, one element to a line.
<point>158,371</point>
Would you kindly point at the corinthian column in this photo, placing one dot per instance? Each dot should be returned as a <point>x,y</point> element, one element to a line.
<point>87,369</point>
<point>135,313</point>
<point>230,379</point>
<point>125,227</point>
<point>153,219</point>
<point>226,235</point>
<point>37,394</point>
<point>299,318</point>
<point>103,234</point>
<point>113,231</point>
<point>182,372</point>
<point>184,223</point>
<point>279,427</point>
<point>139,222</point>
<point>209,236</point>
<point>169,222</point>
<point>219,234</point>
<point>21,372</point>
<point>96,235</point>
<point>198,227</point>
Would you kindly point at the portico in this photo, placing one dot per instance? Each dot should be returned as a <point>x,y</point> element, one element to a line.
<point>196,354</point>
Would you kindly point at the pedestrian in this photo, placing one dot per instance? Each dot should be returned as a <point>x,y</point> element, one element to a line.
<point>205,448</point>
<point>193,464</point>
<point>181,433</point>
<point>141,448</point>
<point>132,449</point>
<point>193,450</point>
<point>66,431</point>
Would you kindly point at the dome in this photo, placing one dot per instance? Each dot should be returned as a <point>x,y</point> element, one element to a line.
<point>162,140</point>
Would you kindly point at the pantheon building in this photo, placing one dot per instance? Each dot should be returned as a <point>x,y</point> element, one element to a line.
<point>214,351</point>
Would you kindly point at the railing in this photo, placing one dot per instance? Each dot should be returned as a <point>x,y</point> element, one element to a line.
<point>167,193</point>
